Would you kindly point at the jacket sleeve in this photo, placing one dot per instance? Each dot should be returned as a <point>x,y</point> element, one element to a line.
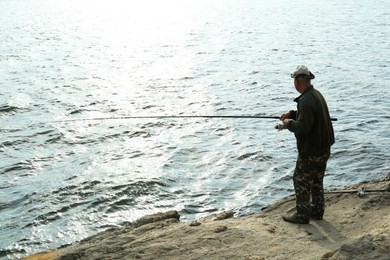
<point>304,122</point>
<point>293,114</point>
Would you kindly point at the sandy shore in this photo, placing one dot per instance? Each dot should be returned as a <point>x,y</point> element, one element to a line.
<point>354,227</point>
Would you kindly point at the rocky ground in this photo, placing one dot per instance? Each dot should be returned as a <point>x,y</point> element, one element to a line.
<point>354,227</point>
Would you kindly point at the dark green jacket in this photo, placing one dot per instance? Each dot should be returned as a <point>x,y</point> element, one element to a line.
<point>312,125</point>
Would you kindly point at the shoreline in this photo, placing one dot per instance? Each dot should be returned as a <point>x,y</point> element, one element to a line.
<point>354,227</point>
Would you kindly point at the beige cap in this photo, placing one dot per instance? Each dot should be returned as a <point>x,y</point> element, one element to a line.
<point>302,70</point>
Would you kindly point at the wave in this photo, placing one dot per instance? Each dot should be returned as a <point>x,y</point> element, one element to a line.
<point>7,109</point>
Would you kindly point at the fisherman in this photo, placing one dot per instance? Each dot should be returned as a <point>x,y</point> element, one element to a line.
<point>313,130</point>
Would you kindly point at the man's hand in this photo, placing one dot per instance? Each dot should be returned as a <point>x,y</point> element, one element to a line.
<point>285,116</point>
<point>286,122</point>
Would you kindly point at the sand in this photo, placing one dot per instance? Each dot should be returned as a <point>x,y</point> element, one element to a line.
<point>354,227</point>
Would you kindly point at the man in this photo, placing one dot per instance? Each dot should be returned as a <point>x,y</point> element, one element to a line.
<point>313,130</point>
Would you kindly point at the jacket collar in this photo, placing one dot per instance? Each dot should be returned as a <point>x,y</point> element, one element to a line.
<point>306,90</point>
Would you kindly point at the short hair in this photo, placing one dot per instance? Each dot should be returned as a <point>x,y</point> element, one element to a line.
<point>304,78</point>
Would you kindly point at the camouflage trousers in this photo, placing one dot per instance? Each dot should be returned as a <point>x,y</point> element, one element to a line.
<point>308,185</point>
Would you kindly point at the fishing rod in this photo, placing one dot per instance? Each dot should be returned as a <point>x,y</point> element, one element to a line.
<point>360,192</point>
<point>156,117</point>
<point>166,117</point>
<point>172,117</point>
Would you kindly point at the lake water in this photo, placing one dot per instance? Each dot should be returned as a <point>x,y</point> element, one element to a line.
<point>59,60</point>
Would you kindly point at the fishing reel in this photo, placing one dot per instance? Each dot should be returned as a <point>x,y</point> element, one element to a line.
<point>362,192</point>
<point>282,125</point>
<point>279,127</point>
